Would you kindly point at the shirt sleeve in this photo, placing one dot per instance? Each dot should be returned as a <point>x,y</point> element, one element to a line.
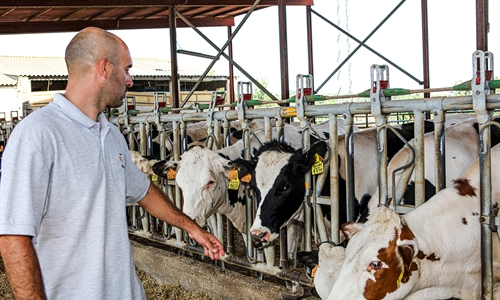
<point>24,182</point>
<point>137,184</point>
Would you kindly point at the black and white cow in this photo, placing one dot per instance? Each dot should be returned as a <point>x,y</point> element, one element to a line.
<point>279,171</point>
<point>432,252</point>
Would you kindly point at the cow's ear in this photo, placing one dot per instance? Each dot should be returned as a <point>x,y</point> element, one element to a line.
<point>319,148</point>
<point>349,229</point>
<point>237,134</point>
<point>162,167</point>
<point>244,167</point>
<point>407,248</point>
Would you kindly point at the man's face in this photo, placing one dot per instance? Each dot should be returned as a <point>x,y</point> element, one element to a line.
<point>119,80</point>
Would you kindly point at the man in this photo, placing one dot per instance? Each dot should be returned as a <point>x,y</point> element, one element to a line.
<point>67,176</point>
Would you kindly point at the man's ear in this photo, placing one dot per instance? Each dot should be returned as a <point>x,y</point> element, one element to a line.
<point>104,67</point>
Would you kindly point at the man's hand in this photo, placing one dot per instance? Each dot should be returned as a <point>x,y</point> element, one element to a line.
<point>211,244</point>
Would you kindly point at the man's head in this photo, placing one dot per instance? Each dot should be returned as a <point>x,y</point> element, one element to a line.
<point>101,59</point>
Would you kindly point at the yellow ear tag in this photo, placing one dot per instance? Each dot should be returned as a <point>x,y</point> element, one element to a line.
<point>313,272</point>
<point>234,181</point>
<point>318,166</point>
<point>398,283</point>
<point>171,174</point>
<point>307,185</point>
<point>246,178</point>
<point>154,177</point>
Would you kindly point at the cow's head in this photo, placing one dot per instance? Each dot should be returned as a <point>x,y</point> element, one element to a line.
<point>380,259</point>
<point>279,185</point>
<point>330,260</point>
<point>202,175</point>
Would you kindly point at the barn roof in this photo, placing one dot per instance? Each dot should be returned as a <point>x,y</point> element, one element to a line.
<point>33,16</point>
<point>55,67</point>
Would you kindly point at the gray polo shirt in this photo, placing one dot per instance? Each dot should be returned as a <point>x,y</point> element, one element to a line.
<point>65,181</point>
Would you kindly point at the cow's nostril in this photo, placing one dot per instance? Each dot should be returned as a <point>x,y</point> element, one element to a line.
<point>258,237</point>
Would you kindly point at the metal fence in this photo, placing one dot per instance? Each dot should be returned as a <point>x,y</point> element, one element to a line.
<point>379,106</point>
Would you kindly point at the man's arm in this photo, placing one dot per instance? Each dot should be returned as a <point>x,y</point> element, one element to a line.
<point>157,204</point>
<point>22,267</point>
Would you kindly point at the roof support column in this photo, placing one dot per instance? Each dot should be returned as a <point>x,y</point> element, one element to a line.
<point>285,94</point>
<point>425,46</point>
<point>482,25</point>
<point>174,78</point>
<point>231,67</point>
<point>310,42</point>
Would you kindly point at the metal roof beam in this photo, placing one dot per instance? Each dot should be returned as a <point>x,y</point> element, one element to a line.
<point>68,26</point>
<point>88,3</point>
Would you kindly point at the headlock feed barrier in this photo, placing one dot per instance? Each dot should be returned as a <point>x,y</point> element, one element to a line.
<point>483,103</point>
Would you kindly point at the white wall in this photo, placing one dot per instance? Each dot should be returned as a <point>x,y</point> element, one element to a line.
<point>9,101</point>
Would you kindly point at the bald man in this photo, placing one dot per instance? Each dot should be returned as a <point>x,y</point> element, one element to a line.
<point>67,175</point>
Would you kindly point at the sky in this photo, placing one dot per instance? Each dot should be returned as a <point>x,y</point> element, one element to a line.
<point>256,46</point>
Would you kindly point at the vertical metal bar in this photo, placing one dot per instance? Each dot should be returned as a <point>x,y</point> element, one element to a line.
<point>231,67</point>
<point>440,149</point>
<point>173,57</point>
<point>142,135</point>
<point>334,179</point>
<point>349,150</point>
<point>425,46</point>
<point>419,158</point>
<point>310,56</point>
<point>177,156</point>
<point>285,94</point>
<point>480,88</point>
<point>268,129</point>
<point>482,25</point>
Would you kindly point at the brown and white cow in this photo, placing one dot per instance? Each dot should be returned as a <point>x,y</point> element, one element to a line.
<point>432,252</point>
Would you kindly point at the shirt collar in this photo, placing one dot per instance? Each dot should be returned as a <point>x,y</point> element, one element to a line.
<point>75,113</point>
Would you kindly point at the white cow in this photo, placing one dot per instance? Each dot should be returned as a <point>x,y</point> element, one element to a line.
<point>462,148</point>
<point>432,252</point>
<point>330,261</point>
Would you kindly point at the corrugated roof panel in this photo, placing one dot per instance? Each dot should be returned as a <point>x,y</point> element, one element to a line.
<point>6,80</point>
<point>56,66</point>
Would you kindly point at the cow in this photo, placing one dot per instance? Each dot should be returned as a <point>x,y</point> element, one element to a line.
<point>145,164</point>
<point>432,252</point>
<point>202,175</point>
<point>462,148</point>
<point>279,171</point>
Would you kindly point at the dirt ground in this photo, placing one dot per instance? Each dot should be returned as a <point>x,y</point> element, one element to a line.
<point>194,275</point>
<point>167,275</point>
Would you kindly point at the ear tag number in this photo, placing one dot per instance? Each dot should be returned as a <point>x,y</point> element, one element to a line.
<point>234,182</point>
<point>318,166</point>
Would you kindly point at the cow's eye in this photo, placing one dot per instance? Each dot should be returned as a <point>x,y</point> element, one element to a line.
<point>375,265</point>
<point>211,182</point>
<point>287,186</point>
